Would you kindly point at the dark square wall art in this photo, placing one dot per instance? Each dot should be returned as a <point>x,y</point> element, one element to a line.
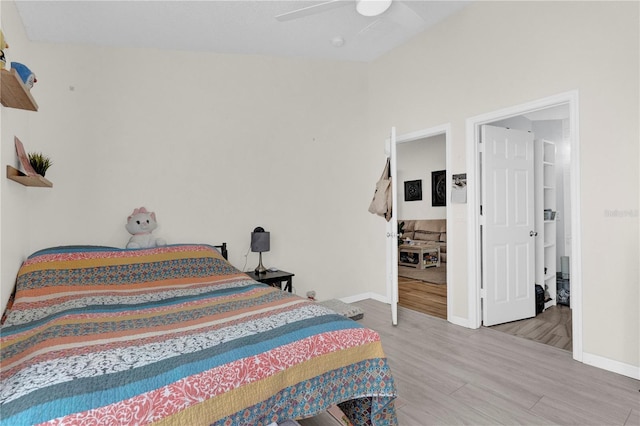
<point>439,188</point>
<point>413,190</point>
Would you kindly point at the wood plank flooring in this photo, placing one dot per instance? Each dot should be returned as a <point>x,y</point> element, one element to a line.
<point>430,299</point>
<point>551,327</point>
<point>450,375</point>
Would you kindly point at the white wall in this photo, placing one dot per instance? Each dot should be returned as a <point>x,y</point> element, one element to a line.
<point>415,161</point>
<point>494,55</point>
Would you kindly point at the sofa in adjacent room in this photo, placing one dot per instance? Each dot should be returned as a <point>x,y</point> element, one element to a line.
<point>427,231</point>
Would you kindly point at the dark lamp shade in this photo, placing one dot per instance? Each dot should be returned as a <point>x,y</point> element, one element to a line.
<point>260,241</point>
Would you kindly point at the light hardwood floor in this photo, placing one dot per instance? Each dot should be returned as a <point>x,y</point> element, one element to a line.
<point>430,299</point>
<point>450,375</point>
<point>551,327</point>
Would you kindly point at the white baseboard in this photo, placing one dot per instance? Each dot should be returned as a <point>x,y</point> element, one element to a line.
<point>628,370</point>
<point>462,322</point>
<point>364,296</point>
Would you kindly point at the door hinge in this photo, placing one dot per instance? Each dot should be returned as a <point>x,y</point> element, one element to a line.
<point>483,293</point>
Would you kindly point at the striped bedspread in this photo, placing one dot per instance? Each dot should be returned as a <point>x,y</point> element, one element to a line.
<point>176,335</point>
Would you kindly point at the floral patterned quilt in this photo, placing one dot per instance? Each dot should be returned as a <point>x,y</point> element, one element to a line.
<point>176,335</point>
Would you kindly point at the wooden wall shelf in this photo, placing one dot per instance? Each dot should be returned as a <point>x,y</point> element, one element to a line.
<point>16,175</point>
<point>14,94</point>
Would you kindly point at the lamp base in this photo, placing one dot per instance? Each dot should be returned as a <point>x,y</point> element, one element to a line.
<point>260,269</point>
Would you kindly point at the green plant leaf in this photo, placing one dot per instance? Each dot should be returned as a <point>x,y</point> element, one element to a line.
<point>39,162</point>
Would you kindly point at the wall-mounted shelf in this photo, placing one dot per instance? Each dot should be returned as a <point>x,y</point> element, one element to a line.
<point>16,175</point>
<point>14,94</point>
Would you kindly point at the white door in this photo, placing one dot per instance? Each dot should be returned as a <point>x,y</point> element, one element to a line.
<point>508,228</point>
<point>392,231</point>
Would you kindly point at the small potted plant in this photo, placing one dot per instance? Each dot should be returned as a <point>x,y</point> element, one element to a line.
<point>39,162</point>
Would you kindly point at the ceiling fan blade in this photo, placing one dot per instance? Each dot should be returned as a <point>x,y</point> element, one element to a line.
<point>312,10</point>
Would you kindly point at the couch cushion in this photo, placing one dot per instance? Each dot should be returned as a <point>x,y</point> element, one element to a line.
<point>426,236</point>
<point>431,225</point>
<point>408,225</point>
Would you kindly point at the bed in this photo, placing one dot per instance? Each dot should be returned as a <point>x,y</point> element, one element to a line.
<point>176,335</point>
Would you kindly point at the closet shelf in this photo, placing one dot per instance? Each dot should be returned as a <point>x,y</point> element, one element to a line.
<point>14,94</point>
<point>17,176</point>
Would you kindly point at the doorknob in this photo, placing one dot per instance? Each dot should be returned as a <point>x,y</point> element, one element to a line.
<point>533,234</point>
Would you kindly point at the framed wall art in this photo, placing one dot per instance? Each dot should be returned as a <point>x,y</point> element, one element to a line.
<point>413,190</point>
<point>439,188</point>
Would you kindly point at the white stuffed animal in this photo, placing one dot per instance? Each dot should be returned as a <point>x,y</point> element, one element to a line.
<point>140,224</point>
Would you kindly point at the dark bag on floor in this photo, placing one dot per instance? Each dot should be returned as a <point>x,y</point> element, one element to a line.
<point>539,299</point>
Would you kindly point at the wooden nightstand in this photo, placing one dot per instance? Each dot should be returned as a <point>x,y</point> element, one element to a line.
<point>274,279</point>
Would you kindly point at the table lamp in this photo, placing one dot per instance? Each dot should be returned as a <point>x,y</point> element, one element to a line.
<point>260,241</point>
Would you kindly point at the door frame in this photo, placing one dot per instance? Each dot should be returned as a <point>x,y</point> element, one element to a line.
<point>473,197</point>
<point>443,129</point>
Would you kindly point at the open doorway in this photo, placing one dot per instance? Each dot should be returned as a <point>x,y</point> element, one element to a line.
<point>551,324</point>
<point>480,287</point>
<point>422,218</point>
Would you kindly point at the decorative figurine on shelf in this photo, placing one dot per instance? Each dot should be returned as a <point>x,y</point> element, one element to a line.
<point>140,225</point>
<point>3,47</point>
<point>27,76</point>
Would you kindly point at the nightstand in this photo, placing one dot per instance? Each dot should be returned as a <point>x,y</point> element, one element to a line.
<point>274,279</point>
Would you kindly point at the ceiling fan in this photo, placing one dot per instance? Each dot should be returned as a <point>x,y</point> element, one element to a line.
<point>364,7</point>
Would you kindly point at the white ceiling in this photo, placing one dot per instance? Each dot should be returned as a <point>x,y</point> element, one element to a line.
<point>243,27</point>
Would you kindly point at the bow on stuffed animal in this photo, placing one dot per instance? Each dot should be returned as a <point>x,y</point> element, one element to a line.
<point>140,224</point>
